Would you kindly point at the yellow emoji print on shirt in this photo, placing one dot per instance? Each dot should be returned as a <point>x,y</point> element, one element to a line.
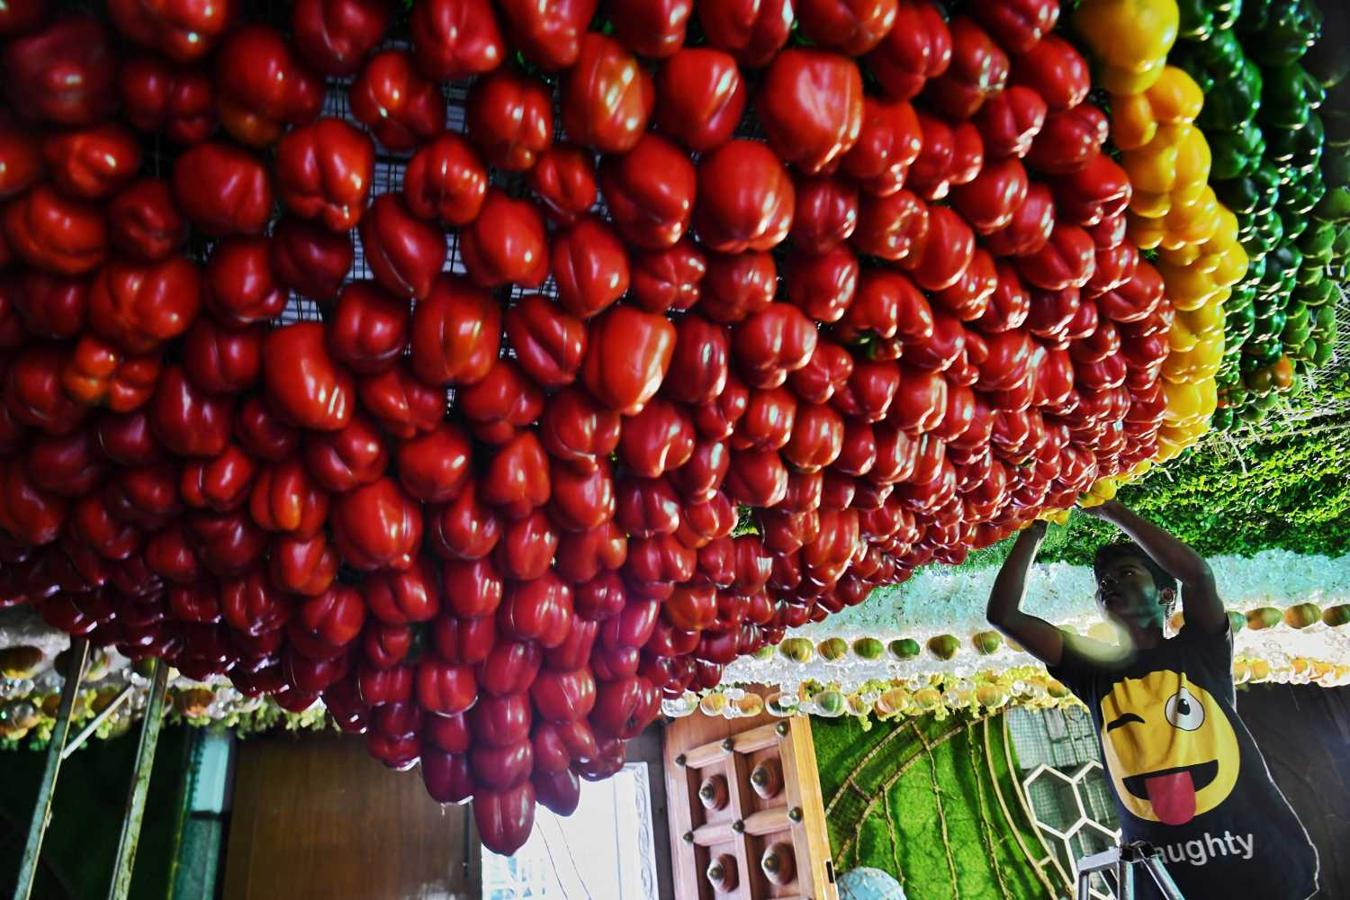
<point>1170,750</point>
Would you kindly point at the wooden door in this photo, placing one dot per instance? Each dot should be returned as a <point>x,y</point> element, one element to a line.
<point>318,818</point>
<point>746,817</point>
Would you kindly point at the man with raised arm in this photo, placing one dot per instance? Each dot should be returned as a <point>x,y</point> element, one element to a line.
<point>1186,774</point>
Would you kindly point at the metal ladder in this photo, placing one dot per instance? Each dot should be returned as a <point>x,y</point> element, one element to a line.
<point>1122,860</point>
<point>58,750</point>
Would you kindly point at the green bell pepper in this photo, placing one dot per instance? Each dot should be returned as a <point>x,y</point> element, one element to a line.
<point>1283,30</point>
<point>1285,101</point>
<point>1336,166</point>
<point>1334,205</point>
<point>1269,230</point>
<point>1316,295</point>
<point>1242,298</point>
<point>1325,319</point>
<point>1297,316</point>
<point>1236,152</point>
<point>1252,194</point>
<point>1239,334</point>
<point>1281,270</point>
<point>1256,270</point>
<point>1317,242</point>
<point>1225,13</point>
<point>1196,20</point>
<point>1341,251</point>
<point>1293,224</point>
<point>1309,145</point>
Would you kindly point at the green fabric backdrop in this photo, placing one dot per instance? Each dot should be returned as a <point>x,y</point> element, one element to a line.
<point>921,799</point>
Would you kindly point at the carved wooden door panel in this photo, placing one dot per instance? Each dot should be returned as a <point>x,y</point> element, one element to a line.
<point>746,817</point>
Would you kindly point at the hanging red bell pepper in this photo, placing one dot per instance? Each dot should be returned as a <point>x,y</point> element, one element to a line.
<point>750,30</point>
<point>745,198</point>
<point>700,97</point>
<point>506,244</point>
<point>607,96</point>
<point>563,178</point>
<point>376,526</point>
<point>811,107</point>
<point>650,192</point>
<point>550,35</point>
<point>334,36</point>
<point>323,172</point>
<point>395,103</point>
<point>628,357</point>
<point>590,267</point>
<point>917,48</point>
<point>454,39</point>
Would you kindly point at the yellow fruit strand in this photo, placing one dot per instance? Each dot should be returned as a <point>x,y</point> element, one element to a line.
<point>1134,36</point>
<point>1175,97</point>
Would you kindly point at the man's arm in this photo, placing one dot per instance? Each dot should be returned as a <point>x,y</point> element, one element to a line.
<point>1041,639</point>
<point>1199,597</point>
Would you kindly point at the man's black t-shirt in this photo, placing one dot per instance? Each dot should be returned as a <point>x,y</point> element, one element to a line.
<point>1186,774</point>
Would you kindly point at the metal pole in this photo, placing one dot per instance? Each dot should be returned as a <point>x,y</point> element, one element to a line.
<point>98,720</point>
<point>1125,879</point>
<point>1162,878</point>
<point>42,814</point>
<point>140,782</point>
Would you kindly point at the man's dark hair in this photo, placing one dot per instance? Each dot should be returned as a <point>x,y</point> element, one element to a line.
<point>1109,553</point>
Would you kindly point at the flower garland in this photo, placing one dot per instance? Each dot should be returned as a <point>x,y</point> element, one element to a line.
<point>31,678</point>
<point>1289,612</point>
<point>921,648</point>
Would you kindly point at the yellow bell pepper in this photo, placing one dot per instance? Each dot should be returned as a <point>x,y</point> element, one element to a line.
<point>1122,82</point>
<point>1182,434</point>
<point>1133,123</point>
<point>1167,449</point>
<point>1128,34</point>
<point>1232,266</point>
<point>1054,516</point>
<point>1193,162</point>
<point>1191,223</point>
<point>1102,489</point>
<point>1174,97</point>
<point>1189,255</point>
<point>1180,338</point>
<point>1184,402</point>
<point>1203,322</point>
<point>1152,168</point>
<point>1144,232</point>
<point>1176,161</point>
<point>1150,204</point>
<point>1197,364</point>
<point>1140,468</point>
<point>1188,287</point>
<point>1225,236</point>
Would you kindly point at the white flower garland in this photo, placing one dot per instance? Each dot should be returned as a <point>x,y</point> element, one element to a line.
<point>939,600</point>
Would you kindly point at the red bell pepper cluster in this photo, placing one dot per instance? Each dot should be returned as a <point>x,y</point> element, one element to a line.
<point>487,506</point>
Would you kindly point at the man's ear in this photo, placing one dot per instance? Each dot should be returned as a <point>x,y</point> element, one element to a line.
<point>1168,597</point>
